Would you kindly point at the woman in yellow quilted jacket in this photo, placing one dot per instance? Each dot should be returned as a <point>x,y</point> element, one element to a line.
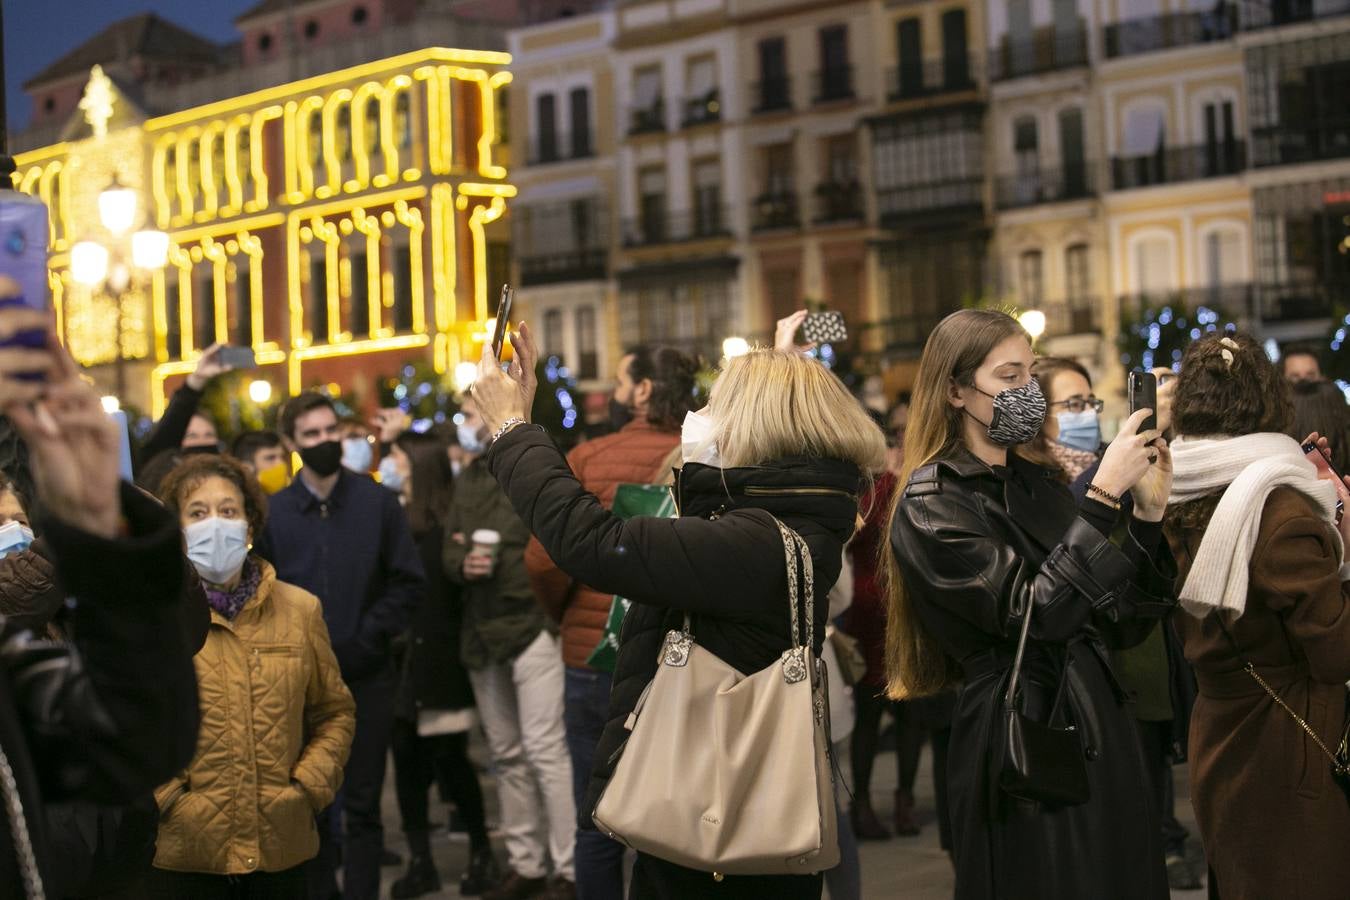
<point>276,718</point>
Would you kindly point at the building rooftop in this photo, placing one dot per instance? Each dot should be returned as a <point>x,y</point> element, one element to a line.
<point>145,35</point>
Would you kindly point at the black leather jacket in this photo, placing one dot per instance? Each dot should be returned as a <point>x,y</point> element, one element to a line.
<point>975,545</point>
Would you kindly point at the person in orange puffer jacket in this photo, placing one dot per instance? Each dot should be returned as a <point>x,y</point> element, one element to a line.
<point>653,392</point>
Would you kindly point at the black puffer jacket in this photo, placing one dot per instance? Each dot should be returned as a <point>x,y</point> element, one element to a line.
<point>721,561</point>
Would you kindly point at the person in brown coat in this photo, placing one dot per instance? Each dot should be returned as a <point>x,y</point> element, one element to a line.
<point>653,392</point>
<point>1273,820</point>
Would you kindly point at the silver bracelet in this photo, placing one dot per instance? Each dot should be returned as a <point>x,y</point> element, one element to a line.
<point>507,426</point>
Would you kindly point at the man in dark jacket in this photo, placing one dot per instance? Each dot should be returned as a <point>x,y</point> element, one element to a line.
<point>652,395</point>
<point>114,715</point>
<point>508,647</point>
<point>345,539</point>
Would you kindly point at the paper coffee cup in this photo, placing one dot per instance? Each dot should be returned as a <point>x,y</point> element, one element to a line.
<point>486,542</point>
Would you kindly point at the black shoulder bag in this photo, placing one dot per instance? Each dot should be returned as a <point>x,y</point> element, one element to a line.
<point>1039,761</point>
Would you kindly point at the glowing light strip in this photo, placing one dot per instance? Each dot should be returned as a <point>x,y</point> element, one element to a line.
<point>437,146</point>
<point>257,156</point>
<point>412,219</point>
<point>329,79</point>
<point>252,223</point>
<point>206,168</point>
<point>360,153</point>
<point>302,162</point>
<point>333,163</point>
<point>159,316</point>
<point>353,348</point>
<point>481,216</point>
<point>370,227</point>
<point>158,172</point>
<point>232,181</point>
<point>182,164</point>
<point>388,139</point>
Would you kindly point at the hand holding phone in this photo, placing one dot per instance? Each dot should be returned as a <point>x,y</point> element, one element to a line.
<point>1143,393</point>
<point>238,358</point>
<point>1319,458</point>
<point>825,328</point>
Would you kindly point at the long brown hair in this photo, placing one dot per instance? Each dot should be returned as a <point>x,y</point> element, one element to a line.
<point>431,476</point>
<point>915,665</point>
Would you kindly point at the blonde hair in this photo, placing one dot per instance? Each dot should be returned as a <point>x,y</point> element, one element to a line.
<point>915,665</point>
<point>768,405</point>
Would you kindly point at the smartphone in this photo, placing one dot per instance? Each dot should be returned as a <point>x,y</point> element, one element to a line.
<point>238,357</point>
<point>825,328</point>
<point>123,444</point>
<point>1325,468</point>
<point>503,320</point>
<point>1143,392</point>
<point>23,257</point>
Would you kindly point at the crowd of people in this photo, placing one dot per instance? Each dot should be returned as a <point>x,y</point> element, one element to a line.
<point>205,674</point>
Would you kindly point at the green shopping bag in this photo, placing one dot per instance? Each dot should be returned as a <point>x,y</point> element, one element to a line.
<point>630,501</point>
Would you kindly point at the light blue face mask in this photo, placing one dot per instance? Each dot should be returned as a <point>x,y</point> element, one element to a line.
<point>357,454</point>
<point>390,476</point>
<point>470,440</point>
<point>1080,430</point>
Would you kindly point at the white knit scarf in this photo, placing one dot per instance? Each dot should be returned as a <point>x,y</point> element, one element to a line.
<point>1246,469</point>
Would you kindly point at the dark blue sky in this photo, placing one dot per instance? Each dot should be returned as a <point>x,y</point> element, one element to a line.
<point>39,31</point>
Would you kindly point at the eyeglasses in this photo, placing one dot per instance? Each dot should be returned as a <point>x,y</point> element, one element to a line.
<point>1078,404</point>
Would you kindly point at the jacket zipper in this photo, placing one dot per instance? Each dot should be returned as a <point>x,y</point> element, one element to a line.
<point>753,491</point>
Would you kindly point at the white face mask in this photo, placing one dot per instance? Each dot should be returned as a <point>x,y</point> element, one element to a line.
<point>696,440</point>
<point>470,440</point>
<point>390,476</point>
<point>456,467</point>
<point>217,547</point>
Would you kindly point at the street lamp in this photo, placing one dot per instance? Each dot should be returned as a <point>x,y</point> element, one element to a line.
<point>93,264</point>
<point>1033,322</point>
<point>260,391</point>
<point>733,347</point>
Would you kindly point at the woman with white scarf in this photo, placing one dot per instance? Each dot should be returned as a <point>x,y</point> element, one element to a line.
<point>1266,625</point>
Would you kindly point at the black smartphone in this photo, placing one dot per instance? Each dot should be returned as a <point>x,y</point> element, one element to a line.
<point>1143,391</point>
<point>238,357</point>
<point>503,320</point>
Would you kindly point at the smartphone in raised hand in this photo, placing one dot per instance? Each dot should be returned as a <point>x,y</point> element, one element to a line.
<point>23,257</point>
<point>1143,393</point>
<point>503,320</point>
<point>238,357</point>
<point>1326,470</point>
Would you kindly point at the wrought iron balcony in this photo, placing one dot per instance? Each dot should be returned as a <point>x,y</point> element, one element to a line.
<point>1050,50</point>
<point>1177,164</point>
<point>1165,32</point>
<point>952,196</point>
<point>929,78</point>
<point>833,84</point>
<point>839,201</point>
<point>668,228</point>
<point>775,210</point>
<point>1049,185</point>
<point>647,119</point>
<point>1259,14</point>
<point>559,148</point>
<point>1081,315</point>
<point>772,94</point>
<point>580,264</point>
<point>1295,142</point>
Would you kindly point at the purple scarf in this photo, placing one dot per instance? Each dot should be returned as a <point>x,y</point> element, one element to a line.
<point>228,603</point>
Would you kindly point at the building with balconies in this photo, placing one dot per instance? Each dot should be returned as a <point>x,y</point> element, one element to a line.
<point>815,78</point>
<point>565,226</point>
<point>928,161</point>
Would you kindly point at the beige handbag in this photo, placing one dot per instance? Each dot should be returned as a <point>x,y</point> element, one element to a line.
<point>729,773</point>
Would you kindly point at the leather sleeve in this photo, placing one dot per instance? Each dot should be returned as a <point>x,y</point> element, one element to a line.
<point>1297,570</point>
<point>688,563</point>
<point>117,714</point>
<point>946,549</point>
<point>330,717</point>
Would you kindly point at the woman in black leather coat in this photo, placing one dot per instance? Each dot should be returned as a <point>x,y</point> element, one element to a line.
<point>977,533</point>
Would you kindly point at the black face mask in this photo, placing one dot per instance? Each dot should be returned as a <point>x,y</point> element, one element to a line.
<point>324,458</point>
<point>196,451</point>
<point>620,414</point>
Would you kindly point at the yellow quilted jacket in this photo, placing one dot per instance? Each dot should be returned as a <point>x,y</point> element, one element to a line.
<point>276,728</point>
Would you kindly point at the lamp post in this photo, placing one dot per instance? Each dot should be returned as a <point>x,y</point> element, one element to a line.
<point>93,264</point>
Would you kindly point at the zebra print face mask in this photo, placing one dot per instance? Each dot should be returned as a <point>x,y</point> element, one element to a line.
<point>1019,414</point>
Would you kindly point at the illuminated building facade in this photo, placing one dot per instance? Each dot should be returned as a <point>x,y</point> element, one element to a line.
<point>341,224</point>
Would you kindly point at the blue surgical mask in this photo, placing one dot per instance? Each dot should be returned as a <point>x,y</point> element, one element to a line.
<point>14,538</point>
<point>390,476</point>
<point>469,439</point>
<point>1080,430</point>
<point>217,548</point>
<point>357,454</point>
